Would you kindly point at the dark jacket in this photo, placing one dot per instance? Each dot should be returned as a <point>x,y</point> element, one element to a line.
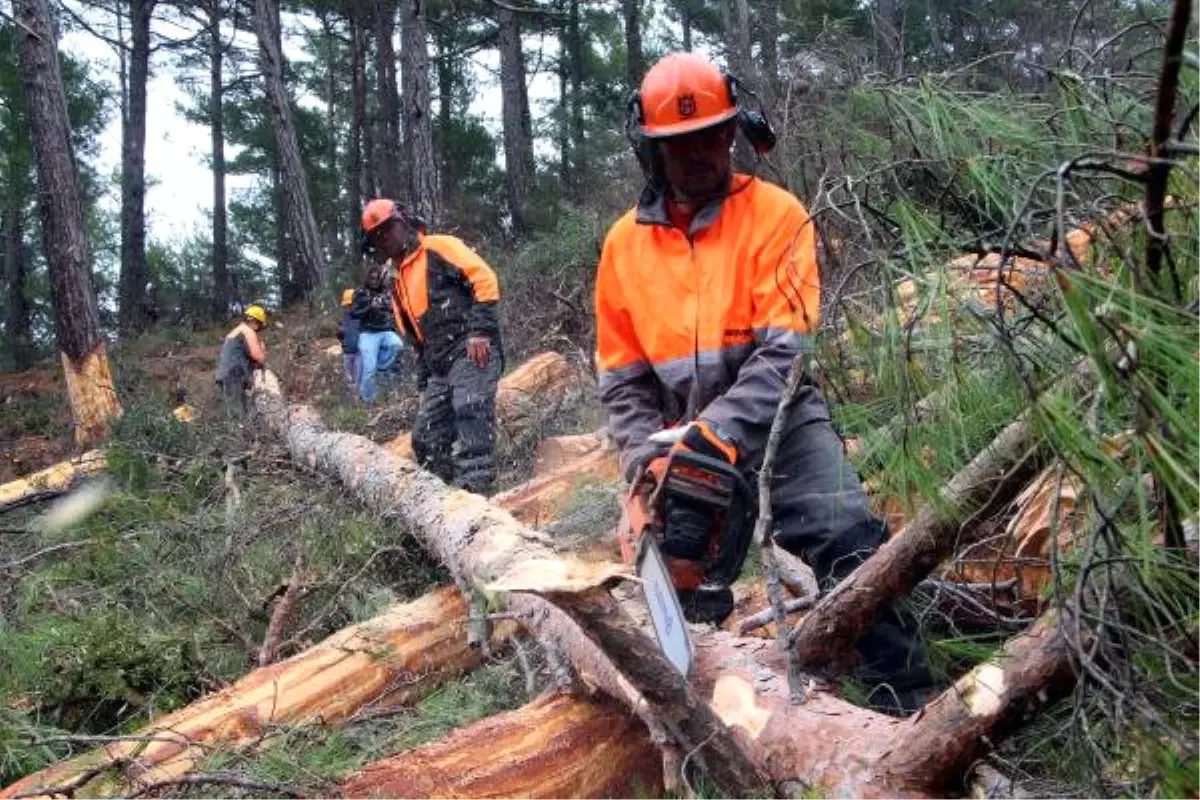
<point>373,310</point>
<point>445,293</point>
<point>348,330</point>
<point>241,352</point>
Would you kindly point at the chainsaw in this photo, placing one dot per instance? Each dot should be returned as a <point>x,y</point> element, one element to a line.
<point>679,589</point>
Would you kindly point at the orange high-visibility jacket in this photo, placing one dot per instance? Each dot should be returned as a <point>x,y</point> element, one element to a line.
<point>444,292</point>
<point>705,323</point>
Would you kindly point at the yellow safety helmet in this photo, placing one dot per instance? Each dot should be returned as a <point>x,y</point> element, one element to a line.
<point>347,298</point>
<point>257,313</point>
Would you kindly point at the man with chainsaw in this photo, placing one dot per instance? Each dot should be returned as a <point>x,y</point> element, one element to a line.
<point>705,293</point>
<point>445,297</point>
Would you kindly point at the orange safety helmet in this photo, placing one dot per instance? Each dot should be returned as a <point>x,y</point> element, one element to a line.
<point>682,93</point>
<point>347,298</point>
<point>379,211</point>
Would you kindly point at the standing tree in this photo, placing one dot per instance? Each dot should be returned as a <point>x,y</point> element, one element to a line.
<point>358,180</point>
<point>418,117</point>
<point>518,148</point>
<point>635,59</point>
<point>90,389</point>
<point>222,290</point>
<point>308,271</point>
<point>134,274</point>
<point>387,149</point>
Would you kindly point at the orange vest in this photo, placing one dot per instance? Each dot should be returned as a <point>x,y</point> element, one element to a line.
<point>705,322</point>
<point>445,292</point>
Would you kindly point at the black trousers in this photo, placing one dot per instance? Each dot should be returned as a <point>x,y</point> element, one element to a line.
<point>821,515</point>
<point>455,432</point>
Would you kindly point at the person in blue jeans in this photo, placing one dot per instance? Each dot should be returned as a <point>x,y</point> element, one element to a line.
<point>378,343</point>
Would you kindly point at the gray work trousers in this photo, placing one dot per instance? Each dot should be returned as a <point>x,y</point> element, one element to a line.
<point>455,432</point>
<point>821,514</point>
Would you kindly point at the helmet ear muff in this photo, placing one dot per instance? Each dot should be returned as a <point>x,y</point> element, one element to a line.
<point>642,146</point>
<point>755,125</point>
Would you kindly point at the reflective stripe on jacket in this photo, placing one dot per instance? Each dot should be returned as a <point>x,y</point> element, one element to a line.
<point>445,292</point>
<point>705,323</point>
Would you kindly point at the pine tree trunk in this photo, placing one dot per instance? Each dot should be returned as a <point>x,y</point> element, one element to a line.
<point>564,99</point>
<point>309,261</point>
<point>332,226</point>
<point>635,60</point>
<point>388,152</point>
<point>133,299</point>
<point>685,22</point>
<point>737,31</point>
<point>358,185</point>
<point>512,79</point>
<point>16,307</point>
<point>446,83</point>
<point>216,121</point>
<point>418,117</point>
<point>575,54</point>
<point>888,24</point>
<point>76,316</point>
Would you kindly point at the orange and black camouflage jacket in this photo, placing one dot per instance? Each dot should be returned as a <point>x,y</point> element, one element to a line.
<point>705,323</point>
<point>445,292</point>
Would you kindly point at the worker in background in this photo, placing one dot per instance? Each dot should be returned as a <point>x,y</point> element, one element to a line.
<point>378,343</point>
<point>347,333</point>
<point>446,300</point>
<point>242,352</point>
<point>705,293</point>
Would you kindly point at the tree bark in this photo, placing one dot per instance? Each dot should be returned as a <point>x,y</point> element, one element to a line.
<point>542,747</point>
<point>685,23</point>
<point>446,83</point>
<point>76,315</point>
<point>332,226</point>
<point>386,662</point>
<point>564,98</point>
<point>308,260</point>
<point>512,80</point>
<point>888,22</point>
<point>133,299</point>
<point>417,102</point>
<point>358,186</point>
<point>16,307</point>
<point>575,55</point>
<point>222,290</point>
<point>737,33</point>
<point>387,150</point>
<point>635,60</point>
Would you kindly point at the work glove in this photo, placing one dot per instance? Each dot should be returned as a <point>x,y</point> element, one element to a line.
<point>688,523</point>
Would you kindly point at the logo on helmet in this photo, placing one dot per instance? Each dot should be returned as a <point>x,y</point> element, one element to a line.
<point>687,105</point>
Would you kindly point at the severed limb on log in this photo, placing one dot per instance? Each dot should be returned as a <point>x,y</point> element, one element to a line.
<point>387,661</point>
<point>51,481</point>
<point>934,748</point>
<point>557,746</point>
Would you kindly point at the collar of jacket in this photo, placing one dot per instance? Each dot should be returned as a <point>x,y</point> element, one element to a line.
<point>652,205</point>
<point>412,254</point>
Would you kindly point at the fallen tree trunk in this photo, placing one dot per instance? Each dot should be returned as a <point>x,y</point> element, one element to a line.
<point>51,481</point>
<point>557,746</point>
<point>825,742</point>
<point>484,546</point>
<point>387,661</point>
